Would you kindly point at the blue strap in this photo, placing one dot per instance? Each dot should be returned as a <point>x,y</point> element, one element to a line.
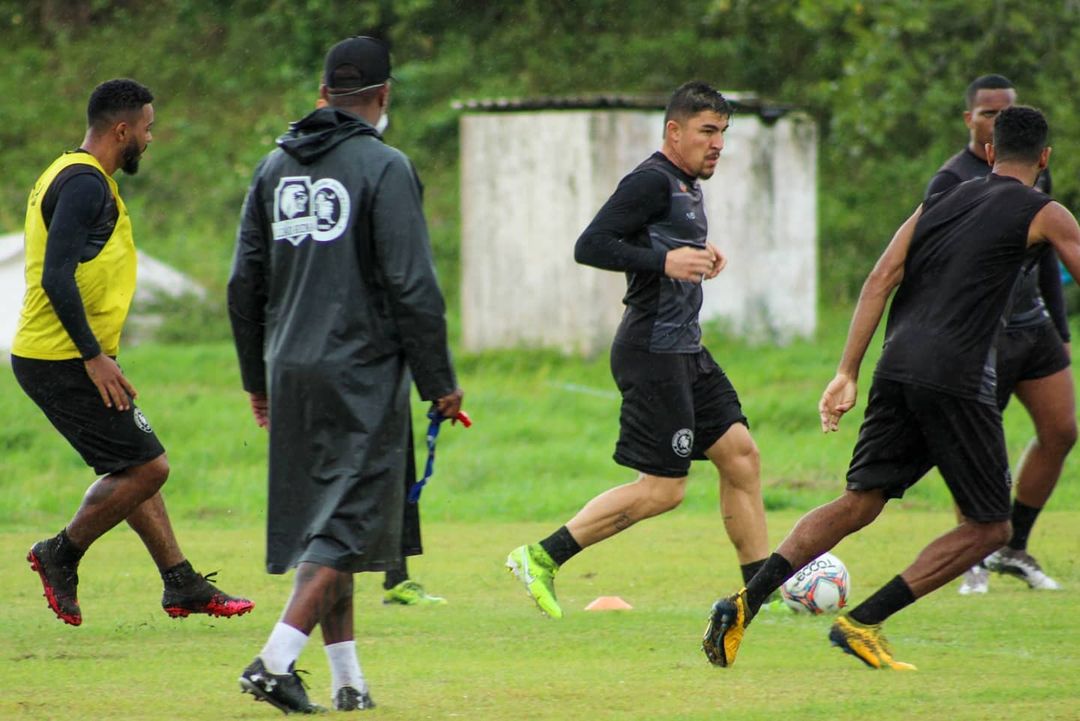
<point>429,467</point>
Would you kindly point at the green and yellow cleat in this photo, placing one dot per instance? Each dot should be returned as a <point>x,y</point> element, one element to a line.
<point>533,567</point>
<point>411,593</point>
<point>865,643</point>
<point>727,624</point>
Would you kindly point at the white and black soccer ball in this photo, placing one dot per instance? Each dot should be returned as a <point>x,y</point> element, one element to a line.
<point>821,586</point>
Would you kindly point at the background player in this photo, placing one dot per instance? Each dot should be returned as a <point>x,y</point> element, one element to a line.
<point>1032,355</point>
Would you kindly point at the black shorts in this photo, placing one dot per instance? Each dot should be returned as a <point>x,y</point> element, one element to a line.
<point>107,439</point>
<point>674,407</point>
<point>909,429</point>
<point>1025,354</point>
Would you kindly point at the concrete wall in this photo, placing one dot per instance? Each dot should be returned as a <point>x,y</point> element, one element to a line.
<point>532,181</point>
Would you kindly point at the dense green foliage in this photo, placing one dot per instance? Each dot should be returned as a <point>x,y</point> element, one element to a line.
<point>884,79</point>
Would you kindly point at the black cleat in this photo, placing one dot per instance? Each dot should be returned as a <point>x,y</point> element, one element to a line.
<point>200,596</point>
<point>285,692</point>
<point>60,581</point>
<point>349,699</point>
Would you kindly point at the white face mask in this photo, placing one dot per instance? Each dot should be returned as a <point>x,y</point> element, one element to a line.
<point>383,123</point>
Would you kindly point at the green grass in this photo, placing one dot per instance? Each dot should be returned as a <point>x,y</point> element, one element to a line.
<point>489,654</point>
<point>540,447</point>
<point>545,429</point>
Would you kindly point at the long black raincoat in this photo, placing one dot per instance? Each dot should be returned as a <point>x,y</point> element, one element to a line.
<point>335,308</point>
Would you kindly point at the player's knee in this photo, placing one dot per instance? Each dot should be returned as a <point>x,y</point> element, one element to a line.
<point>1061,436</point>
<point>153,474</point>
<point>673,496</point>
<point>993,536</point>
<point>664,493</point>
<point>741,465</point>
<point>861,507</point>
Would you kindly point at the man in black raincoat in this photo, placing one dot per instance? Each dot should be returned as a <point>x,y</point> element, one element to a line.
<point>335,309</point>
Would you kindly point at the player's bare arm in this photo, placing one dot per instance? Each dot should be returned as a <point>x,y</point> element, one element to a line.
<point>839,396</point>
<point>1054,224</point>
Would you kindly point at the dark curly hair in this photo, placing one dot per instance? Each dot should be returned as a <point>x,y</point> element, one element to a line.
<point>1020,133</point>
<point>114,98</point>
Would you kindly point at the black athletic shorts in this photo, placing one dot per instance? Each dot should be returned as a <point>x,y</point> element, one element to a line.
<point>909,429</point>
<point>107,439</point>
<point>1025,354</point>
<point>674,407</point>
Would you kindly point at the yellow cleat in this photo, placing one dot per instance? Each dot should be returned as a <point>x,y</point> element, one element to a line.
<point>727,624</point>
<point>865,643</point>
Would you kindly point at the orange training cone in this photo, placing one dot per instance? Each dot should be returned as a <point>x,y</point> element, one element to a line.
<point>608,603</point>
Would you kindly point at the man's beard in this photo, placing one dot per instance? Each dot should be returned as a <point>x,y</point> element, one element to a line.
<point>129,159</point>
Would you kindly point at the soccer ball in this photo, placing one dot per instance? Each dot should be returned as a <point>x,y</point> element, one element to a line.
<point>820,586</point>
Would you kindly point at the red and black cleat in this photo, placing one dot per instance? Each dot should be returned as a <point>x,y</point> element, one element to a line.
<point>199,595</point>
<point>60,582</point>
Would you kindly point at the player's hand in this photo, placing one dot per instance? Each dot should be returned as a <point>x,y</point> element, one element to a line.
<point>719,262</point>
<point>116,392</point>
<point>260,408</point>
<point>838,399</point>
<point>450,404</point>
<point>687,263</point>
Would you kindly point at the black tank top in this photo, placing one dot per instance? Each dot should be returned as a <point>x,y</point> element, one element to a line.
<point>1028,307</point>
<point>660,309</point>
<point>959,278</point>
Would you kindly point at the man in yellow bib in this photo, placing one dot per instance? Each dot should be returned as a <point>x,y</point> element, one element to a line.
<point>80,279</point>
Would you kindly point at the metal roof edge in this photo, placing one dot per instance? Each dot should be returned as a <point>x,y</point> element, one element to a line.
<point>742,103</point>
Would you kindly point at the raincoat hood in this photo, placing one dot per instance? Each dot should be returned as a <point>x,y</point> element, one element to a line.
<point>314,135</point>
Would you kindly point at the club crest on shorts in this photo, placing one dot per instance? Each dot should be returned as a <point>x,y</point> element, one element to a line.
<point>682,442</point>
<point>141,422</point>
<point>303,209</point>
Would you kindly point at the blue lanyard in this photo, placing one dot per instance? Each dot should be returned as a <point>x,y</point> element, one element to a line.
<point>436,419</point>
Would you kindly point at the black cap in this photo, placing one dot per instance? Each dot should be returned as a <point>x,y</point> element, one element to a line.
<point>370,58</point>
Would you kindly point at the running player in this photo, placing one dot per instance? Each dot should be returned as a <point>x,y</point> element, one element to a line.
<point>954,264</point>
<point>1033,357</point>
<point>677,404</point>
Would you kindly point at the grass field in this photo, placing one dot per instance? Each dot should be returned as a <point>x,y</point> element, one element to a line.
<point>545,427</point>
<point>488,654</point>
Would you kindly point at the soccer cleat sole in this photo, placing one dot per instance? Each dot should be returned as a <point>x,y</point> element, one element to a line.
<point>713,642</point>
<point>247,686</point>
<point>50,595</point>
<point>217,610</point>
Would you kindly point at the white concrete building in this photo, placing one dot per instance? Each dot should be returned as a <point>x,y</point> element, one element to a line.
<point>534,173</point>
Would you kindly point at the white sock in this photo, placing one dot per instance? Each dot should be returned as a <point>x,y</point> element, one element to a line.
<point>282,648</point>
<point>344,667</point>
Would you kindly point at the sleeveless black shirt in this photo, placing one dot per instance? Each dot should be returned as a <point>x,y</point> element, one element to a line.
<point>1039,297</point>
<point>962,267</point>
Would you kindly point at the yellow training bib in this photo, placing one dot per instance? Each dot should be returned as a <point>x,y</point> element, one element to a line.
<point>106,282</point>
